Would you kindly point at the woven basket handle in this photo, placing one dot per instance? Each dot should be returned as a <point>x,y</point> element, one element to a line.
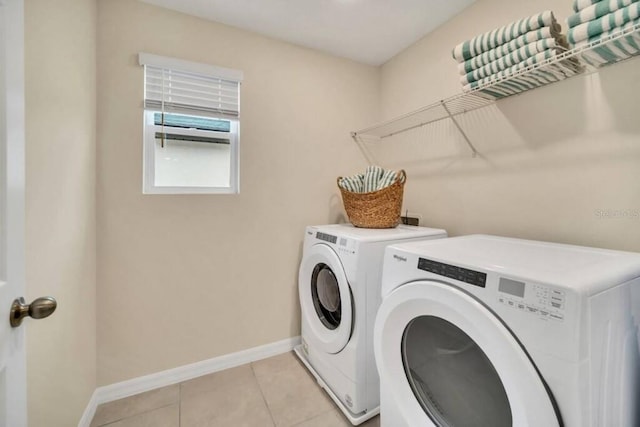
<point>401,177</point>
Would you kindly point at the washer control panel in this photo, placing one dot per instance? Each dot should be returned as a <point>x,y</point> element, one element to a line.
<point>542,301</point>
<point>326,237</point>
<point>472,277</point>
<point>340,244</point>
<point>346,246</point>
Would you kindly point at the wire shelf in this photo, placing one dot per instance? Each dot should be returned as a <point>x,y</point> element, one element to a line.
<point>565,64</point>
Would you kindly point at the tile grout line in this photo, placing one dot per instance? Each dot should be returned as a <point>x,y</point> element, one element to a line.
<point>135,415</point>
<point>264,398</point>
<point>333,408</point>
<point>311,418</point>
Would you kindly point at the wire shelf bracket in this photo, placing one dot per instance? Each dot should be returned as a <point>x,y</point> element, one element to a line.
<point>464,135</point>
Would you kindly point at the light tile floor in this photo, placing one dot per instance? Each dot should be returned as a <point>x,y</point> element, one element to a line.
<point>274,392</point>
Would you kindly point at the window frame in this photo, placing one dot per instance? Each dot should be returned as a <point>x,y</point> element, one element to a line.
<point>149,128</point>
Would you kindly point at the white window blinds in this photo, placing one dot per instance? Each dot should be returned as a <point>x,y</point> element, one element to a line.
<point>184,87</point>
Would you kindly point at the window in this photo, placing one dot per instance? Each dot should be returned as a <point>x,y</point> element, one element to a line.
<point>191,127</point>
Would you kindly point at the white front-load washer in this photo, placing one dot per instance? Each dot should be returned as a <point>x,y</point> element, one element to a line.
<point>490,331</point>
<point>339,289</point>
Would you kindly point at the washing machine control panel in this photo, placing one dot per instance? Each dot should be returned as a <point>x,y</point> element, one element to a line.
<point>342,245</point>
<point>471,277</point>
<point>542,301</point>
<point>326,237</point>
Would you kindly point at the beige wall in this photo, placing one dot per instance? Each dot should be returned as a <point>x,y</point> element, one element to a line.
<point>550,159</point>
<point>190,277</point>
<point>60,59</point>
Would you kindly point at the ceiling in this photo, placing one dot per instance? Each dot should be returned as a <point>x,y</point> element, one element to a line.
<point>368,31</point>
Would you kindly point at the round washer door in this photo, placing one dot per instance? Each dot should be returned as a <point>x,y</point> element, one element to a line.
<point>447,360</point>
<point>325,299</point>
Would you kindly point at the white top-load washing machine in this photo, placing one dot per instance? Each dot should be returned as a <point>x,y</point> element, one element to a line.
<point>339,287</point>
<point>490,331</point>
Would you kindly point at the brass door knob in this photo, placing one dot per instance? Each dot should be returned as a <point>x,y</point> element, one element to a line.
<point>38,309</point>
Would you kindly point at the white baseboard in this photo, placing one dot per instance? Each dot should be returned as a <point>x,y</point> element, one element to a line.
<point>133,386</point>
<point>89,411</point>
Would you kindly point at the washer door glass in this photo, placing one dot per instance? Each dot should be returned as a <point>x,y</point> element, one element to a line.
<point>452,378</point>
<point>325,294</point>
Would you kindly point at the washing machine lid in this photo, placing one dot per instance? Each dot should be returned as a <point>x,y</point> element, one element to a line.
<point>448,360</point>
<point>325,299</point>
<point>585,270</point>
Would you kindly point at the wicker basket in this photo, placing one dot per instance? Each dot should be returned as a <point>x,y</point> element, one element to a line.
<point>377,209</point>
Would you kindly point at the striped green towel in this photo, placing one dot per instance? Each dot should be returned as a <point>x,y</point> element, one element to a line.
<point>531,80</point>
<point>617,30</point>
<point>613,51</point>
<point>578,5</point>
<point>624,48</point>
<point>533,39</point>
<point>606,23</point>
<point>570,64</point>
<point>373,179</point>
<point>388,178</point>
<point>542,56</point>
<point>499,36</point>
<point>521,55</point>
<point>597,10</point>
<point>355,183</point>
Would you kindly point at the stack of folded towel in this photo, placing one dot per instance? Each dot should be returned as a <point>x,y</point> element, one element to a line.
<point>508,50</point>
<point>595,20</point>
<point>373,179</point>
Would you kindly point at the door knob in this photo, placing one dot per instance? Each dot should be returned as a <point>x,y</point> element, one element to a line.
<point>38,309</point>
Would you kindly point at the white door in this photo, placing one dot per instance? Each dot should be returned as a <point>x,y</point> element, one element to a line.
<point>445,359</point>
<point>13,402</point>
